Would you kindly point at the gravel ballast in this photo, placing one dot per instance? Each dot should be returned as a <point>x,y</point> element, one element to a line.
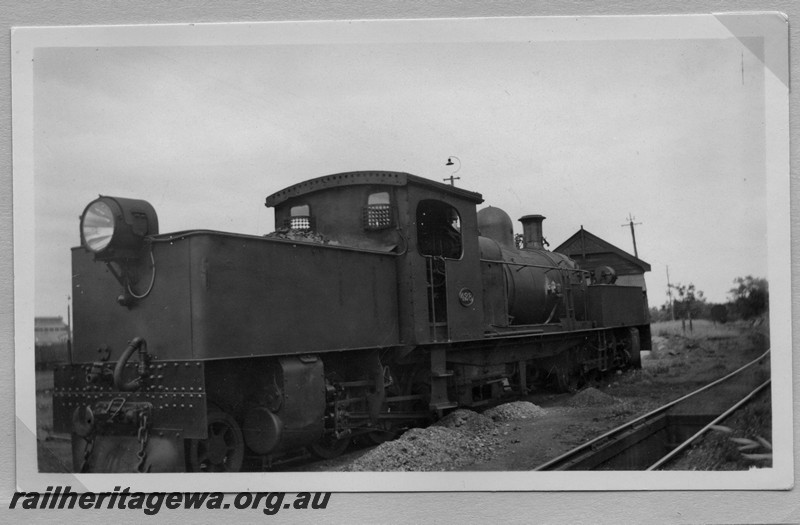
<point>590,397</point>
<point>460,438</point>
<point>515,410</point>
<point>435,448</point>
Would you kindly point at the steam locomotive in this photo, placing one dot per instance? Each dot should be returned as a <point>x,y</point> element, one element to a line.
<point>382,301</point>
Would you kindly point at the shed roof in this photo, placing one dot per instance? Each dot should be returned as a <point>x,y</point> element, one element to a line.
<point>584,246</point>
<point>41,322</point>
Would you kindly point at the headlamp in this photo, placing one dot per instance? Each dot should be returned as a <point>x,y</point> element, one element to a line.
<point>115,228</point>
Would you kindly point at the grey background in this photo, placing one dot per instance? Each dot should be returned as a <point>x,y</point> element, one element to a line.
<point>621,507</point>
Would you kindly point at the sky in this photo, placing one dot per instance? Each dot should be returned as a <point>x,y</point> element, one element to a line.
<point>584,132</point>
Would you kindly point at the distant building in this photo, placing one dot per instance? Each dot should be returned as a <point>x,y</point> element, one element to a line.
<point>50,331</point>
<point>590,252</point>
<point>51,336</point>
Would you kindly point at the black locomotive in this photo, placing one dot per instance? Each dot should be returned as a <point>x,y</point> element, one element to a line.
<point>383,300</point>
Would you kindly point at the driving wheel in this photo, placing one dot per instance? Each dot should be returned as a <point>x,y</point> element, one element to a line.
<point>329,447</point>
<point>222,450</point>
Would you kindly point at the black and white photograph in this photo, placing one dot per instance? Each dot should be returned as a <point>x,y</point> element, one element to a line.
<point>417,255</point>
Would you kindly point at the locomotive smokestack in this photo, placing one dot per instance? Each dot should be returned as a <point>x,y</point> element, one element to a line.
<point>532,237</point>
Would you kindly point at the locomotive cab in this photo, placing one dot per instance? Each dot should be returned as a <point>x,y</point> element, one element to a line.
<point>431,227</point>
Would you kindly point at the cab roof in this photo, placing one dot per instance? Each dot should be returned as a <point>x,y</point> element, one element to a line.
<point>353,178</point>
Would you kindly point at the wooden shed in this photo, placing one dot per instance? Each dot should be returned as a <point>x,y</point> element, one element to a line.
<point>590,252</point>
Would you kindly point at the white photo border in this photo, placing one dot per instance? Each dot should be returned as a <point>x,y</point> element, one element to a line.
<point>769,26</point>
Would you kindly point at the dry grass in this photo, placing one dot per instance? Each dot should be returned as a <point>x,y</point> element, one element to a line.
<point>700,329</point>
<point>682,361</point>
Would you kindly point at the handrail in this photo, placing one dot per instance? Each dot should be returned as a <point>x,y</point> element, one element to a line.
<point>510,263</point>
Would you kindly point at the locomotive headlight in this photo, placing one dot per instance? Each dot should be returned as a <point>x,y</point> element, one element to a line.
<point>115,228</point>
<point>97,226</point>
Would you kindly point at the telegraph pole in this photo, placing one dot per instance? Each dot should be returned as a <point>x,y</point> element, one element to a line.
<point>452,180</point>
<point>630,220</point>
<point>669,292</point>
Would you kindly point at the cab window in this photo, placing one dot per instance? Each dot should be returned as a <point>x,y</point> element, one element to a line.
<point>378,211</point>
<point>438,229</point>
<point>300,217</point>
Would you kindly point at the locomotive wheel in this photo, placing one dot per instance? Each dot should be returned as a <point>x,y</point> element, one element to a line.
<point>594,378</point>
<point>422,389</point>
<point>329,447</point>
<point>376,437</point>
<point>635,348</point>
<point>566,380</point>
<point>222,450</point>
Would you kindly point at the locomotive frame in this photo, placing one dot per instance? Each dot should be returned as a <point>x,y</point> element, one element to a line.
<point>385,300</point>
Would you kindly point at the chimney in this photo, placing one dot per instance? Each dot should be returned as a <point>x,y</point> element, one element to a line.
<point>532,232</point>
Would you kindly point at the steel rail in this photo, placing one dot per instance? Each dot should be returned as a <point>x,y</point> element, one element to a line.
<point>677,450</point>
<point>611,435</point>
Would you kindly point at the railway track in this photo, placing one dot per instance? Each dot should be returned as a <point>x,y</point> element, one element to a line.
<point>653,440</point>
